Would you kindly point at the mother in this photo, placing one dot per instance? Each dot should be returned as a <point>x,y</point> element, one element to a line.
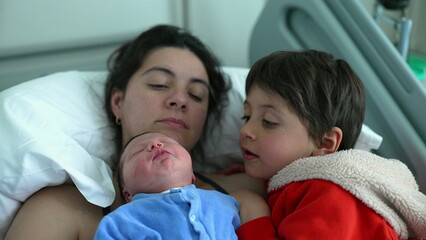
<point>165,81</point>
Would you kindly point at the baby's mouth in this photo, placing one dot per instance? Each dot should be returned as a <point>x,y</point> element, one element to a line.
<point>160,153</point>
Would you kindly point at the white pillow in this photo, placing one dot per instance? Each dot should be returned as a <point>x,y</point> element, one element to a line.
<point>222,147</point>
<point>54,130</point>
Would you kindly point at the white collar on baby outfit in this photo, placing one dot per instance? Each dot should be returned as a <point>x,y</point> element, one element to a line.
<point>168,191</point>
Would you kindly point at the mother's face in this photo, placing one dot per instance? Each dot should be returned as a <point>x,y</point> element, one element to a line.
<point>169,94</point>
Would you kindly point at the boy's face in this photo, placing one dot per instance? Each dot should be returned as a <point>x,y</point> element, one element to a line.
<point>273,135</point>
<point>153,163</point>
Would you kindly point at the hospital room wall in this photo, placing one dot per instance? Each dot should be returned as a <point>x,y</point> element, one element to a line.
<point>225,26</point>
<point>42,37</point>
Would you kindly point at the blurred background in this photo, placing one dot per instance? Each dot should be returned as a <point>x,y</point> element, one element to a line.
<point>46,36</point>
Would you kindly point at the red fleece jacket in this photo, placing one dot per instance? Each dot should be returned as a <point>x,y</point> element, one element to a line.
<point>316,209</point>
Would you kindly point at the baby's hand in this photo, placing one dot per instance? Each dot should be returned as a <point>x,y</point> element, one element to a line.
<point>252,205</point>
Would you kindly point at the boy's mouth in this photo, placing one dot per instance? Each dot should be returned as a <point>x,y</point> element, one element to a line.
<point>248,155</point>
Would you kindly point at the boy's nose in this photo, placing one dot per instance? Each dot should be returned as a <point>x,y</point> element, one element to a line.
<point>246,133</point>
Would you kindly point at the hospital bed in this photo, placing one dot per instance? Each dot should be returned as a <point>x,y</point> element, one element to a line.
<point>43,118</point>
<point>396,100</point>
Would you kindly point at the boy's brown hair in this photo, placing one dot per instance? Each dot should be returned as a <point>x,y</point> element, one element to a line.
<point>323,91</point>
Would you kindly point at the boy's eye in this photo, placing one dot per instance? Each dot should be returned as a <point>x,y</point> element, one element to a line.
<point>245,118</point>
<point>269,123</point>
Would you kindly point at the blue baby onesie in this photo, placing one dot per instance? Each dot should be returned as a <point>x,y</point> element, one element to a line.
<point>184,213</point>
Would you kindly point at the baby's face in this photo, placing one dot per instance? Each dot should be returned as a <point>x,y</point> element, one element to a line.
<point>153,162</point>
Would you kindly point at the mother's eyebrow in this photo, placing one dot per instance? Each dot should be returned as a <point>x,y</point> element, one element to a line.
<point>159,69</point>
<point>171,73</point>
<point>203,82</point>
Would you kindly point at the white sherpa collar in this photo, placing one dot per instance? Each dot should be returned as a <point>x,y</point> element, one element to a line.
<point>385,185</point>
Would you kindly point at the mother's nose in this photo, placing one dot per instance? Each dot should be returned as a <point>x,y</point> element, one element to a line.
<point>177,101</point>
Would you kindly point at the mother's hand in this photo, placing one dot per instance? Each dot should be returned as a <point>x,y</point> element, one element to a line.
<point>252,205</point>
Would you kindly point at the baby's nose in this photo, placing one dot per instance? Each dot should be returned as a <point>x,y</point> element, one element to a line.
<point>154,145</point>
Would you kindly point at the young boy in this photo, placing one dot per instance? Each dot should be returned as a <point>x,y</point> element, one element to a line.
<point>304,111</point>
<point>156,177</point>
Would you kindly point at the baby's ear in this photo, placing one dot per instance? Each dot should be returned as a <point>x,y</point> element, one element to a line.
<point>127,195</point>
<point>193,178</point>
<point>330,142</point>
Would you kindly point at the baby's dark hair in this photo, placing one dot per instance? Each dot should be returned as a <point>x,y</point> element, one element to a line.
<point>323,91</point>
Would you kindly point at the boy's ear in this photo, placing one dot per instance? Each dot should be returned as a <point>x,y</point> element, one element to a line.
<point>330,142</point>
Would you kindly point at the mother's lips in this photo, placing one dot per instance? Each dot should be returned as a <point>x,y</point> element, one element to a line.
<point>174,122</point>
